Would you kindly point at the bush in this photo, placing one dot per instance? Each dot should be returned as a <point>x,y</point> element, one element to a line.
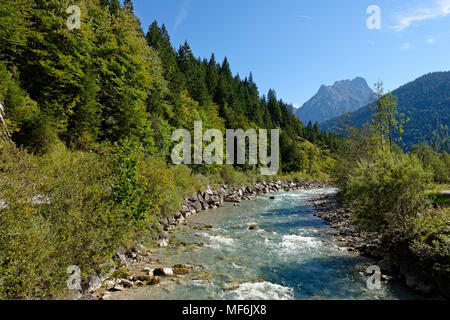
<point>65,208</point>
<point>437,163</point>
<point>387,193</point>
<point>432,240</point>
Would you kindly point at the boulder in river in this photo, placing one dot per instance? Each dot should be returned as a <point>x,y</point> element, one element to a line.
<point>163,272</point>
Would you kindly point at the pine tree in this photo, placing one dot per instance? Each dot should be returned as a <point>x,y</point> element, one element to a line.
<point>128,4</point>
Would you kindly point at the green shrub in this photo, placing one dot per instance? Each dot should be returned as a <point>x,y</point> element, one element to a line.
<point>432,238</point>
<point>437,163</point>
<point>62,209</point>
<point>387,193</point>
<point>126,188</point>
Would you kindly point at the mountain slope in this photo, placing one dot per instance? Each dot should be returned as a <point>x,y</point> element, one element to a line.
<point>426,101</point>
<point>332,101</point>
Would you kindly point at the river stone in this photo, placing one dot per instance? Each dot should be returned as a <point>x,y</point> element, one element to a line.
<point>215,200</point>
<point>197,205</point>
<point>126,283</point>
<point>207,198</point>
<point>178,215</point>
<point>194,197</point>
<point>181,220</point>
<point>232,285</point>
<point>163,243</point>
<point>109,284</point>
<point>163,272</point>
<point>185,209</point>
<point>117,287</point>
<point>95,283</point>
<point>209,191</point>
<point>122,259</point>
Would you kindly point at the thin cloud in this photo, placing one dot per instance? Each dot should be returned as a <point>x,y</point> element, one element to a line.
<point>182,15</point>
<point>406,46</point>
<point>440,9</point>
<point>431,40</point>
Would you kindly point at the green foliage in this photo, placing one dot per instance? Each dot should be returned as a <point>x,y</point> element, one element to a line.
<point>127,190</point>
<point>437,163</point>
<point>387,193</point>
<point>432,241</point>
<point>57,212</point>
<point>384,118</point>
<point>23,116</point>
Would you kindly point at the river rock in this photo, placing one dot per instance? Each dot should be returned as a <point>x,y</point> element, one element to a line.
<point>205,205</point>
<point>163,272</point>
<point>108,285</point>
<point>233,198</point>
<point>197,205</point>
<point>209,191</point>
<point>117,287</point>
<point>122,259</point>
<point>184,209</point>
<point>181,220</point>
<point>178,215</point>
<point>232,285</point>
<point>126,283</point>
<point>95,283</point>
<point>162,243</point>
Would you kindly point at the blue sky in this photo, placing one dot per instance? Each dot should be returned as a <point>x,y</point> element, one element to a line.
<point>295,46</point>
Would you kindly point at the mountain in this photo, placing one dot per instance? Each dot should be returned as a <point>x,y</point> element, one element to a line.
<point>294,110</point>
<point>332,101</point>
<point>425,101</point>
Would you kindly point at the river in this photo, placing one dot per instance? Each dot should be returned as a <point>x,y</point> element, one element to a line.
<point>291,255</point>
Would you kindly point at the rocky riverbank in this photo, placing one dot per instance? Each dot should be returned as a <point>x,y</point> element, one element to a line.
<point>394,265</point>
<point>212,199</point>
<point>137,268</point>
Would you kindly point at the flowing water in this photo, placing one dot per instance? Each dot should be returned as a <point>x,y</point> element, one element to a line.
<point>291,256</point>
